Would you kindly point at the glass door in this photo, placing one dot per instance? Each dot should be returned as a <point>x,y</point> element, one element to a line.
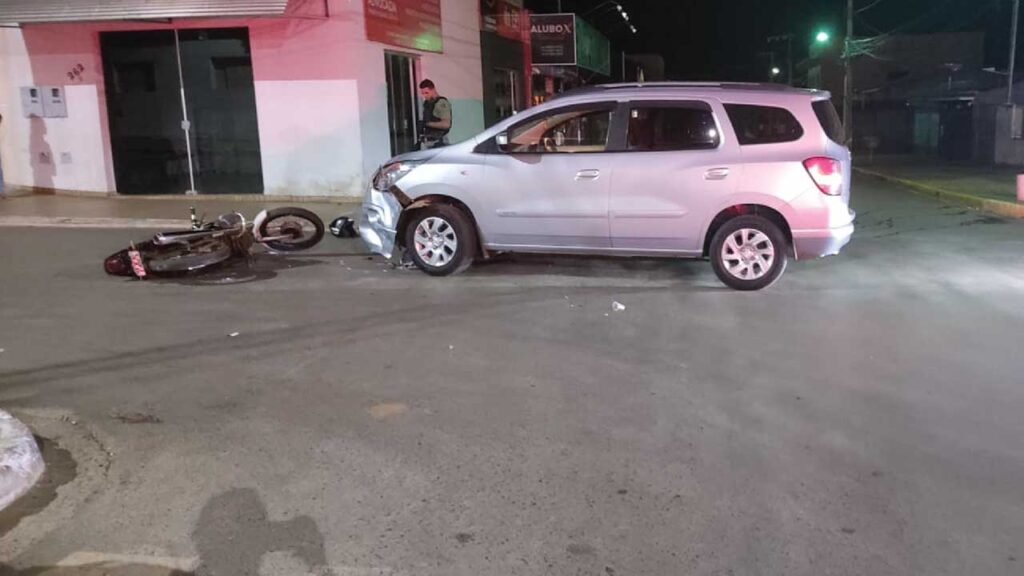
<point>506,93</point>
<point>182,111</point>
<point>403,115</point>
<point>149,147</point>
<point>220,99</point>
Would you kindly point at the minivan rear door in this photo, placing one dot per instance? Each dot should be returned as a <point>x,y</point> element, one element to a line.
<point>674,167</point>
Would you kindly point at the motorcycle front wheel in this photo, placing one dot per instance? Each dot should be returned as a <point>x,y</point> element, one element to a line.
<point>290,229</point>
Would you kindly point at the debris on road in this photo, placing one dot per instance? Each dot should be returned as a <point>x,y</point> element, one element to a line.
<point>21,464</point>
<point>617,307</point>
<point>233,334</point>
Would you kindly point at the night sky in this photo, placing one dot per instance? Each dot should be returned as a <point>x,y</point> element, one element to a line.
<point>726,39</point>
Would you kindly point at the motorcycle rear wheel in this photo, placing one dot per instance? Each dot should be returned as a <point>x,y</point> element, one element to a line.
<point>194,256</point>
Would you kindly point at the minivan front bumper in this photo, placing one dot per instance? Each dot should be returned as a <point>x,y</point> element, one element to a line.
<point>819,243</point>
<point>378,221</point>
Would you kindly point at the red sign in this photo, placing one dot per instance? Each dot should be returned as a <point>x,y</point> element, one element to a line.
<point>505,18</point>
<point>412,24</point>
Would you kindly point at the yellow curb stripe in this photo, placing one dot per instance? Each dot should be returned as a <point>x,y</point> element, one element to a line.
<point>1000,207</point>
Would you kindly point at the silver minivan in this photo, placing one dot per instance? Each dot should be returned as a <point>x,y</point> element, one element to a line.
<point>746,175</point>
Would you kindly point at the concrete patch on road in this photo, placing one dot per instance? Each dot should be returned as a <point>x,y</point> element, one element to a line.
<point>387,410</point>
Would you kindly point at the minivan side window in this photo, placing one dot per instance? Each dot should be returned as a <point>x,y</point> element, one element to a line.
<point>564,131</point>
<point>763,124</point>
<point>665,127</point>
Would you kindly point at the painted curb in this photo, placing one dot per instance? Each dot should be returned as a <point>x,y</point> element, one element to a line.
<point>21,464</point>
<point>1000,207</point>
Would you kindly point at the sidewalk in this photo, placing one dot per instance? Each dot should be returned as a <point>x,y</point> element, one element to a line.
<point>147,212</point>
<point>990,188</point>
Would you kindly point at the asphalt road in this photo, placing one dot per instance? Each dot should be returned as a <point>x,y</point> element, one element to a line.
<point>865,415</point>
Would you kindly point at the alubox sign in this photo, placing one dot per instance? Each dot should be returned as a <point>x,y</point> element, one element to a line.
<point>553,38</point>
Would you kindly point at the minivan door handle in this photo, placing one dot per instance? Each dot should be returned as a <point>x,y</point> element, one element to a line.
<point>716,174</point>
<point>589,174</point>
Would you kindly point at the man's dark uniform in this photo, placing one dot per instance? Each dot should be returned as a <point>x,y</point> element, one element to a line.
<point>436,110</point>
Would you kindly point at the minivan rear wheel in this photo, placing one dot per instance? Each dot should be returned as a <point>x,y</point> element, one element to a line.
<point>440,239</point>
<point>748,253</point>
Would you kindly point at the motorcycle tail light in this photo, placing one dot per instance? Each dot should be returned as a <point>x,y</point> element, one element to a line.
<point>118,265</point>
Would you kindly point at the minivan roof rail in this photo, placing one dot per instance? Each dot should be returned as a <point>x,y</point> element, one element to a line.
<point>753,86</point>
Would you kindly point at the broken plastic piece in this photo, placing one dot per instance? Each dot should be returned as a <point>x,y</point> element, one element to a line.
<point>20,462</point>
<point>617,307</point>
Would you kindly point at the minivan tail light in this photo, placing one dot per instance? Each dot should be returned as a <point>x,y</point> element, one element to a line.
<point>827,174</point>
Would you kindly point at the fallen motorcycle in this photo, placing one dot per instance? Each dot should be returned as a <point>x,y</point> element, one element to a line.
<point>208,244</point>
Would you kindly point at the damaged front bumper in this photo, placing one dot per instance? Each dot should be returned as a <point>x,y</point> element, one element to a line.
<point>378,221</point>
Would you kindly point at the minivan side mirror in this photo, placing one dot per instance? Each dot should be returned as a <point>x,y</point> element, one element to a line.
<point>502,141</point>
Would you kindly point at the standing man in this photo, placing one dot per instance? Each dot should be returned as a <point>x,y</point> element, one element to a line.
<point>437,117</point>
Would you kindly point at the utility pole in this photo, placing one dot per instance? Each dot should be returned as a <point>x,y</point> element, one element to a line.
<point>848,77</point>
<point>1013,52</point>
<point>789,59</point>
<point>789,54</point>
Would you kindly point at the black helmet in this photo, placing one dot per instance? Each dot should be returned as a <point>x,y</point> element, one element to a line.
<point>343,227</point>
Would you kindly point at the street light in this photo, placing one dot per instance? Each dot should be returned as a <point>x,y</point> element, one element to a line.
<point>822,37</point>
<point>602,5</point>
<point>604,8</point>
<point>776,71</point>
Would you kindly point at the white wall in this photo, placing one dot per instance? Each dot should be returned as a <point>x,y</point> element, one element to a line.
<point>62,153</point>
<point>1008,150</point>
<point>309,143</point>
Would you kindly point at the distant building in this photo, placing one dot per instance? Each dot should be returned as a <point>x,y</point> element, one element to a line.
<point>911,93</point>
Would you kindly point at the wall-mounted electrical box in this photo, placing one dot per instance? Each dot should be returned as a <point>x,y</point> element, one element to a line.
<point>54,105</point>
<point>31,102</point>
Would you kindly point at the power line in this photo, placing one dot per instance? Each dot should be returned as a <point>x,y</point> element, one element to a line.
<point>869,6</point>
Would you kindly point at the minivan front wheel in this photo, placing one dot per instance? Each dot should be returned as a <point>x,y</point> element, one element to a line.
<point>441,240</point>
<point>748,253</point>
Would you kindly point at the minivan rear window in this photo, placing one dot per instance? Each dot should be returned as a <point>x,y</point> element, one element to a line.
<point>763,124</point>
<point>829,119</point>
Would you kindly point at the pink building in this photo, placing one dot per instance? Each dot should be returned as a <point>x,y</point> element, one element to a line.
<point>281,97</point>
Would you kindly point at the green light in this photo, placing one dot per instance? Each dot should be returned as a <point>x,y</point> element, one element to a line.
<point>822,37</point>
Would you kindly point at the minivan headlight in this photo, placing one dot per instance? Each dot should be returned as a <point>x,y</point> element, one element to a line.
<point>391,173</point>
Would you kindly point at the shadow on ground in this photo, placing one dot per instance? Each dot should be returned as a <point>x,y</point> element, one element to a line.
<point>232,536</point>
